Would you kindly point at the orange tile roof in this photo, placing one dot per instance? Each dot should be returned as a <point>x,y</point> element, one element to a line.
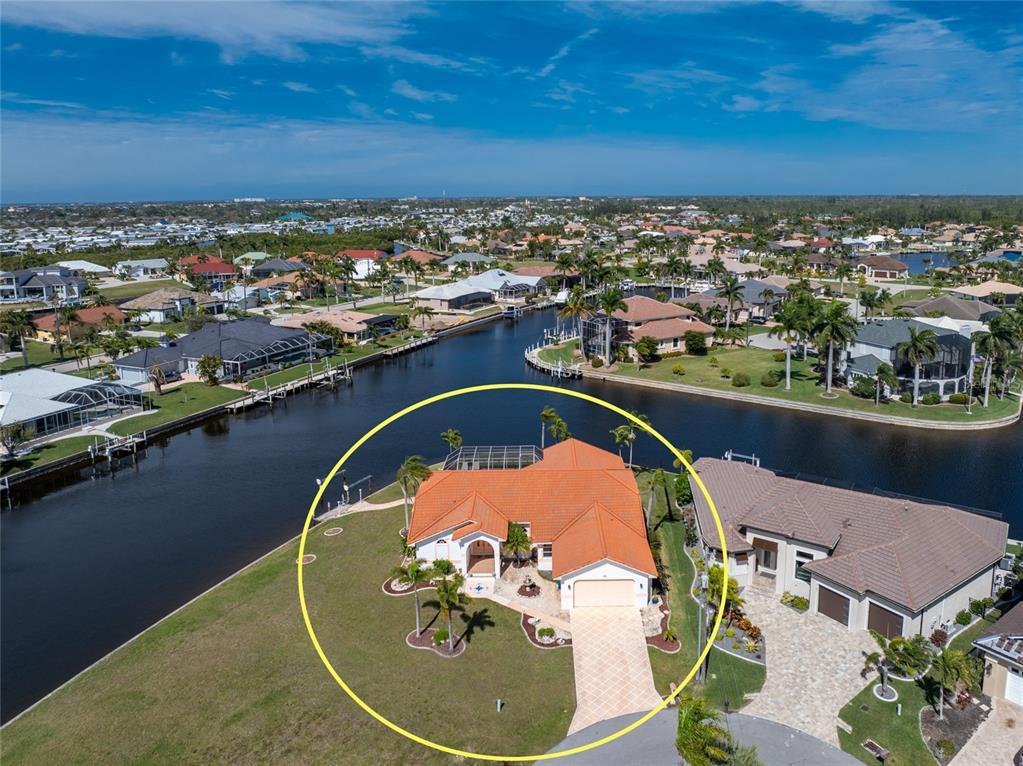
<point>644,309</point>
<point>581,499</point>
<point>89,315</point>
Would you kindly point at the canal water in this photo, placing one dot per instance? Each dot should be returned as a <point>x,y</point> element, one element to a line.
<point>918,263</point>
<point>91,564</point>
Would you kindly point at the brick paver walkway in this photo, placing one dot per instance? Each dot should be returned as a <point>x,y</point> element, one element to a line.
<point>612,667</point>
<point>997,740</point>
<point>813,666</point>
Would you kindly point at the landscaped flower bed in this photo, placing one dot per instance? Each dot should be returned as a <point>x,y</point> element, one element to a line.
<point>799,603</point>
<point>394,587</point>
<point>741,637</point>
<point>544,636</point>
<point>665,638</point>
<point>429,639</point>
<point>946,736</point>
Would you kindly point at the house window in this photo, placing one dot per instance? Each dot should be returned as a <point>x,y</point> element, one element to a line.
<point>803,558</point>
<point>548,550</point>
<point>767,559</point>
<point>441,549</point>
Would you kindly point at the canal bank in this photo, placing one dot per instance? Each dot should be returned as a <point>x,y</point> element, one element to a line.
<point>96,561</point>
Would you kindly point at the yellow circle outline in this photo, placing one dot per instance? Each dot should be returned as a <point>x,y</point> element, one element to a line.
<point>484,756</point>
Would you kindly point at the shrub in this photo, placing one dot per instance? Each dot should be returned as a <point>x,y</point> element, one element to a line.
<point>779,356</point>
<point>713,361</point>
<point>545,633</point>
<point>958,399</point>
<point>740,380</point>
<point>770,379</point>
<point>862,387</point>
<point>736,645</point>
<point>963,617</point>
<point>946,748</point>
<point>725,372</point>
<point>795,601</point>
<point>696,344</point>
<point>993,614</point>
<point>977,607</point>
<point>440,636</point>
<point>678,369</point>
<point>754,632</point>
<point>720,637</point>
<point>939,637</point>
<point>906,397</point>
<point>596,362</point>
<point>931,399</point>
<point>669,635</point>
<point>751,645</point>
<point>670,354</point>
<point>744,623</point>
<point>730,632</point>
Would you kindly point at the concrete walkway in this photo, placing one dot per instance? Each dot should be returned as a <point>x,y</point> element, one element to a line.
<point>612,667</point>
<point>653,743</point>
<point>997,740</point>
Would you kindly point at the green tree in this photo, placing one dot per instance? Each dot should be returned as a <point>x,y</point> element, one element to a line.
<point>13,436</point>
<point>517,543</point>
<point>732,294</point>
<point>921,347</point>
<point>449,598</point>
<point>716,589</point>
<point>834,327</point>
<point>646,349</point>
<point>453,437</point>
<point>411,473</point>
<point>610,301</point>
<point>17,323</point>
<point>948,669</point>
<point>209,368</point>
<point>885,376</point>
<point>414,574</point>
<point>547,416</point>
<point>788,321</point>
<point>700,738</point>
<point>578,309</point>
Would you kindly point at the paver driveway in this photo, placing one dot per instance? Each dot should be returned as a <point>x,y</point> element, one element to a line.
<point>612,668</point>
<point>813,666</point>
<point>997,740</point>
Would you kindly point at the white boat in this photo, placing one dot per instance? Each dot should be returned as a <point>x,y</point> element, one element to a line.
<point>561,298</point>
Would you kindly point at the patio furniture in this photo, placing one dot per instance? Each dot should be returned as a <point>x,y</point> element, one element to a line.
<point>876,750</point>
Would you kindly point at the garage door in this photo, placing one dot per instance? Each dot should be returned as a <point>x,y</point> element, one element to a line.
<point>884,621</point>
<point>1014,686</point>
<point>604,593</point>
<point>832,604</point>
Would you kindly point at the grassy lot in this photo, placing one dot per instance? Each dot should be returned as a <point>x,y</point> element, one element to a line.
<point>805,386</point>
<point>898,734</point>
<point>186,399</point>
<point>135,289</point>
<point>1016,549</point>
<point>729,678</point>
<point>963,641</point>
<point>565,353</point>
<point>38,353</point>
<point>233,678</point>
<point>48,453</point>
<point>388,494</point>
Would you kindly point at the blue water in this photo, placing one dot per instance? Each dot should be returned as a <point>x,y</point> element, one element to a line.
<point>919,262</point>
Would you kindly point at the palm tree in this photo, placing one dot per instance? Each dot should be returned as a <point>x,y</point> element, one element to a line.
<point>843,271</point>
<point>623,435</point>
<point>788,321</point>
<point>18,323</point>
<point>700,739</point>
<point>921,347</point>
<point>410,475</point>
<point>948,669</point>
<point>547,416</point>
<point>989,346</point>
<point>558,429</point>
<point>610,301</point>
<point>449,597</point>
<point>884,377</point>
<point>834,327</point>
<point>578,309</point>
<point>732,293</point>
<point>517,541</point>
<point>414,573</point>
<point>453,437</point>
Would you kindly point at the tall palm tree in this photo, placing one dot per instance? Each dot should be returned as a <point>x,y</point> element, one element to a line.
<point>989,346</point>
<point>921,347</point>
<point>410,475</point>
<point>450,597</point>
<point>732,294</point>
<point>623,435</point>
<point>948,669</point>
<point>578,309</point>
<point>453,437</point>
<point>788,321</point>
<point>700,739</point>
<point>885,376</point>
<point>843,271</point>
<point>547,416</point>
<point>414,574</point>
<point>18,323</point>
<point>610,301</point>
<point>834,327</point>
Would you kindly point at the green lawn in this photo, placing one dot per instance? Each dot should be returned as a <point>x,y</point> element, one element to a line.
<point>48,453</point>
<point>1016,549</point>
<point>729,678</point>
<point>699,371</point>
<point>963,641</point>
<point>387,494</point>
<point>898,734</point>
<point>38,354</point>
<point>233,678</point>
<point>565,353</point>
<point>135,289</point>
<point>186,399</point>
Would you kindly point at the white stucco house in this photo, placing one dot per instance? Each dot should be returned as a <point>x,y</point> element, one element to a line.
<point>579,504</point>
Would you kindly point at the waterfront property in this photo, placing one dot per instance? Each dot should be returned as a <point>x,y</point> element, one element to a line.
<point>1002,650</point>
<point>169,304</point>
<point>953,308</point>
<point>454,296</point>
<point>580,506</point>
<point>667,323</point>
<point>42,283</point>
<point>881,267</point>
<point>355,326</point>
<point>246,347</point>
<point>758,299</point>
<point>505,286</point>
<point>46,403</point>
<point>893,565</point>
<point>141,268</point>
<point>474,261</point>
<point>86,318</point>
<point>993,292</point>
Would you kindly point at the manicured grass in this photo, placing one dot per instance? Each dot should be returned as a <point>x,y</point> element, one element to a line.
<point>805,385</point>
<point>898,734</point>
<point>388,494</point>
<point>1016,549</point>
<point>49,453</point>
<point>386,308</point>
<point>186,399</point>
<point>233,677</point>
<point>963,641</point>
<point>135,289</point>
<point>38,354</point>
<point>564,353</point>
<point>729,678</point>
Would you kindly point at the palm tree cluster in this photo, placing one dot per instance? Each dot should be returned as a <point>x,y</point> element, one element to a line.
<point>447,585</point>
<point>1001,349</point>
<point>553,423</point>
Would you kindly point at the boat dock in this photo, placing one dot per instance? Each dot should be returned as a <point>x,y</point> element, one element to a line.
<point>559,370</point>
<point>329,377</point>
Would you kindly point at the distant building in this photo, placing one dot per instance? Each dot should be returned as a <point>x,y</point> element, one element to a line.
<point>475,261</point>
<point>88,317</point>
<point>455,296</point>
<point>169,304</point>
<point>85,268</point>
<point>145,267</point>
<point>49,284</point>
<point>882,267</point>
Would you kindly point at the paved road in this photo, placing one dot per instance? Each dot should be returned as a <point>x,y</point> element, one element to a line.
<point>653,743</point>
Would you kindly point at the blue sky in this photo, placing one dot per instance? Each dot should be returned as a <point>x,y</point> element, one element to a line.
<point>187,100</point>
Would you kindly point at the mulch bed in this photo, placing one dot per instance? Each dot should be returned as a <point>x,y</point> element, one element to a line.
<point>958,725</point>
<point>528,592</point>
<point>390,590</point>
<point>425,641</point>
<point>530,631</point>
<point>671,647</point>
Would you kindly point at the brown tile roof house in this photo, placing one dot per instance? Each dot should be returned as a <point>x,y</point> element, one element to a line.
<point>167,298</point>
<point>354,324</point>
<point>545,270</point>
<point>421,257</point>
<point>665,329</point>
<point>909,553</point>
<point>1002,649</point>
<point>642,309</point>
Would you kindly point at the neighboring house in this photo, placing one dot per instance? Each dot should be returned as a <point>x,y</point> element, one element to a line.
<point>579,504</point>
<point>882,267</point>
<point>668,323</point>
<point>1001,647</point>
<point>893,565</point>
<point>356,255</point>
<point>88,317</point>
<point>85,268</point>
<point>216,273</point>
<point>243,297</point>
<point>276,267</point>
<point>250,259</point>
<point>50,284</point>
<point>877,341</point>
<point>454,296</point>
<point>551,274</point>
<point>779,283</point>
<point>753,303</point>
<point>505,286</point>
<point>475,261</point>
<point>139,269</point>
<point>356,326</point>
<point>247,347</point>
<point>422,257</point>
<point>48,402</point>
<point>821,263</point>
<point>953,308</point>
<point>993,292</point>
<point>288,285</point>
<point>169,304</point>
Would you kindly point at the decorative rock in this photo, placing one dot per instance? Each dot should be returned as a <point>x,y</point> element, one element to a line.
<point>333,532</point>
<point>309,558</point>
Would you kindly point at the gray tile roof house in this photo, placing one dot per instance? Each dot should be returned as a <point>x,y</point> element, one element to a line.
<point>1002,649</point>
<point>277,266</point>
<point>906,555</point>
<point>954,308</point>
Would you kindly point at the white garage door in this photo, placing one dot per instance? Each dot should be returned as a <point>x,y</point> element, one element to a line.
<point>1014,686</point>
<point>604,593</point>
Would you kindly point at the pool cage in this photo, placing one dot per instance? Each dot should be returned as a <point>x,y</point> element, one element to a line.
<point>87,404</point>
<point>277,355</point>
<point>492,458</point>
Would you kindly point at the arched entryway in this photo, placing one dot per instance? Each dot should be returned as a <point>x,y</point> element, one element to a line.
<point>481,558</point>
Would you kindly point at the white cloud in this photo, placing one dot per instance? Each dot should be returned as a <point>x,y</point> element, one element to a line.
<point>350,92</point>
<point>564,50</point>
<point>856,11</point>
<point>220,93</point>
<point>17,98</point>
<point>13,47</point>
<point>298,87</point>
<point>422,116</point>
<point>409,56</point>
<point>176,58</point>
<point>408,90</point>
<point>685,76</point>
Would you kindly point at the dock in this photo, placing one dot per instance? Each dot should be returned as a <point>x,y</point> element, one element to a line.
<point>329,377</point>
<point>559,370</point>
